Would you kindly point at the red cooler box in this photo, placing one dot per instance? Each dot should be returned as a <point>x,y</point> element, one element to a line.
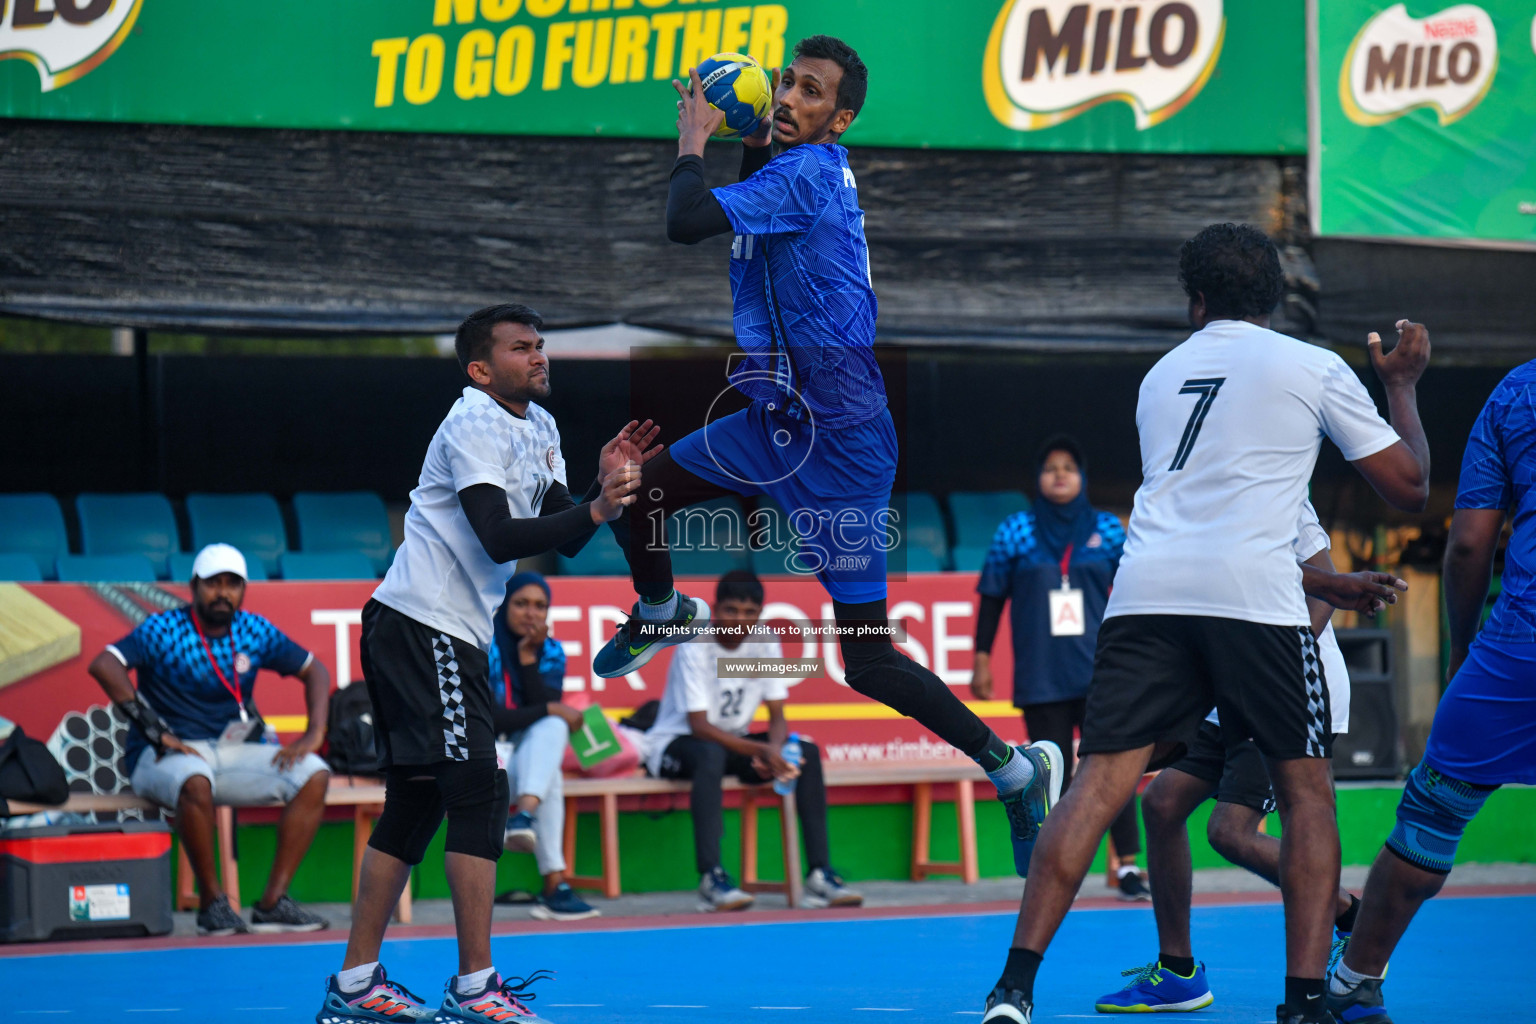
<point>85,881</point>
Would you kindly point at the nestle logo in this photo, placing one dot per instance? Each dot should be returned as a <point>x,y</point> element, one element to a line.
<point>1450,28</point>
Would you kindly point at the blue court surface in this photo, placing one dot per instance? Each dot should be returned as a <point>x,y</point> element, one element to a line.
<point>1464,960</point>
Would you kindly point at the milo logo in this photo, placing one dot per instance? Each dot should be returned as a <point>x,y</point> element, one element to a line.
<point>1396,63</point>
<point>1049,60</point>
<point>64,39</point>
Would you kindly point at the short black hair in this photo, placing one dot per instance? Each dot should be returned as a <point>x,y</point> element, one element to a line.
<point>739,585</point>
<point>472,342</point>
<point>855,83</point>
<point>1236,267</point>
<point>1061,443</point>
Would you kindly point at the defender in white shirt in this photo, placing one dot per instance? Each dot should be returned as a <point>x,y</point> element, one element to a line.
<point>492,491</point>
<point>703,732</point>
<point>1208,608</point>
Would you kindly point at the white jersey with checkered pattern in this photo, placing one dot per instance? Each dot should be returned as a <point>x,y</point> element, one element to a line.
<point>1310,539</point>
<point>441,576</point>
<point>1230,423</point>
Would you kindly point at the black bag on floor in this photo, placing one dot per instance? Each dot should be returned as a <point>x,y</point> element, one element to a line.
<point>29,771</point>
<point>351,748</point>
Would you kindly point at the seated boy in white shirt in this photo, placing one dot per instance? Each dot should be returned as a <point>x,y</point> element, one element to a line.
<point>701,734</point>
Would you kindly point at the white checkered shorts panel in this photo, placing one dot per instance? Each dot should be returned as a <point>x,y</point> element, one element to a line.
<point>450,690</point>
<point>1317,705</point>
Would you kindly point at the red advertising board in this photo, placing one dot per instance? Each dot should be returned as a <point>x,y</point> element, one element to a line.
<point>49,633</point>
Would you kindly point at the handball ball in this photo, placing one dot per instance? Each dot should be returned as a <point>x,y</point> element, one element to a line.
<point>738,87</point>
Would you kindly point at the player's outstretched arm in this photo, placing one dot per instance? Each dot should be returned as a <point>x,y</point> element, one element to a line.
<point>1468,566</point>
<point>1400,473</point>
<point>506,539</point>
<point>1367,592</point>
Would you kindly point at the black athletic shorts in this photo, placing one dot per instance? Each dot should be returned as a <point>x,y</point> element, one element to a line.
<point>1156,677</point>
<point>1238,772</point>
<point>431,692</point>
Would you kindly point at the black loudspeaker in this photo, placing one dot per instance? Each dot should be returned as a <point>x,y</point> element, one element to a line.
<point>1370,750</point>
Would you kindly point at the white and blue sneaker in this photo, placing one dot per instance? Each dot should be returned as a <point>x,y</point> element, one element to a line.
<point>1008,1004</point>
<point>562,904</point>
<point>502,1001</point>
<point>519,837</point>
<point>1156,989</point>
<point>719,892</point>
<point>1028,807</point>
<point>639,640</point>
<point>824,887</point>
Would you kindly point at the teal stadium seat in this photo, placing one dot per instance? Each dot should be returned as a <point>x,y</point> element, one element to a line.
<point>251,522</point>
<point>32,525</point>
<point>181,567</point>
<point>327,565</point>
<point>130,568</point>
<point>129,524</point>
<point>921,525</point>
<point>344,521</point>
<point>977,514</point>
<point>16,568</point>
<point>716,537</point>
<point>970,558</point>
<point>601,557</point>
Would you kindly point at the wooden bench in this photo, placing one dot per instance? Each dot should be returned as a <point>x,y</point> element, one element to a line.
<point>364,795</point>
<point>922,776</point>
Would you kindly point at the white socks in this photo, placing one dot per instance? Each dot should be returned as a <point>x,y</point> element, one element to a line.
<point>468,984</point>
<point>1345,980</point>
<point>1015,775</point>
<point>1127,869</point>
<point>659,612</point>
<point>355,979</point>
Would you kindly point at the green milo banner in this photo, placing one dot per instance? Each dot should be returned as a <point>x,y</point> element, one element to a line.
<point>1425,120</point>
<point>1112,75</point>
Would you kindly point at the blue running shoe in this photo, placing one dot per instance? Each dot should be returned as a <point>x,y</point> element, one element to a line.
<point>519,837</point>
<point>562,904</point>
<point>1362,1004</point>
<point>504,1000</point>
<point>639,640</point>
<point>1028,807</point>
<point>1155,989</point>
<point>381,1001</point>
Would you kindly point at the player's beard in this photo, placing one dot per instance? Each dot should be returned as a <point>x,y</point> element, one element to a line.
<point>217,614</point>
<point>527,390</point>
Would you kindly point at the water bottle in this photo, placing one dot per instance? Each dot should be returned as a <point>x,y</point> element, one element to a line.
<point>790,753</point>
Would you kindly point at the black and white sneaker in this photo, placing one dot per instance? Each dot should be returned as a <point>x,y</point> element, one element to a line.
<point>1008,1004</point>
<point>824,887</point>
<point>219,918</point>
<point>719,892</point>
<point>1133,887</point>
<point>286,916</point>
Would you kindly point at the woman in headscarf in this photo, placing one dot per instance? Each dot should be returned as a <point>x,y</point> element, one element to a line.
<point>532,729</point>
<point>1055,562</point>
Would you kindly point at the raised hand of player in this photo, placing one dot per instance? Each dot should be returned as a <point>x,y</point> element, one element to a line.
<point>619,489</point>
<point>1366,592</point>
<point>1404,365</point>
<point>696,119</point>
<point>635,443</point>
<point>764,134</point>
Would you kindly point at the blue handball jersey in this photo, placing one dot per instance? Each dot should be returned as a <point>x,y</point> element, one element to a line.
<point>177,679</point>
<point>1499,471</point>
<point>811,321</point>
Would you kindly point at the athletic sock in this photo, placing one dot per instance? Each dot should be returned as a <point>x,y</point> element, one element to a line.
<point>473,984</point>
<point>1183,966</point>
<point>1304,996</point>
<point>355,979</point>
<point>1019,972</point>
<point>1345,980</point>
<point>660,611</point>
<point>1008,771</point>
<point>1345,922</point>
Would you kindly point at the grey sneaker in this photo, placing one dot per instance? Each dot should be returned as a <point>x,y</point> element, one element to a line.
<point>1362,1003</point>
<point>219,918</point>
<point>824,888</point>
<point>1007,1004</point>
<point>286,916</point>
<point>720,893</point>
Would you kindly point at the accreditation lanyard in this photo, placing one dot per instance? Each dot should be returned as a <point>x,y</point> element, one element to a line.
<point>1066,603</point>
<point>507,676</point>
<point>234,689</point>
<point>1066,565</point>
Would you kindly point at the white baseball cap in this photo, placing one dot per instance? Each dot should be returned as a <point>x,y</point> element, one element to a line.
<point>217,558</point>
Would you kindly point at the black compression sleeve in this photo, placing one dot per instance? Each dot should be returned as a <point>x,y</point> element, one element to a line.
<point>987,618</point>
<point>557,499</point>
<point>754,159</point>
<point>505,538</point>
<point>693,213</point>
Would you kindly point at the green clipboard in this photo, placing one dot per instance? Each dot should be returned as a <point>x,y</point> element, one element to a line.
<point>595,741</point>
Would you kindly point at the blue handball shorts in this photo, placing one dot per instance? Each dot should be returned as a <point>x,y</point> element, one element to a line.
<point>1485,726</point>
<point>834,487</point>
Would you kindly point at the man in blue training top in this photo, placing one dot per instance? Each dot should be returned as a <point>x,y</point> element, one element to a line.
<point>817,437</point>
<point>1484,733</point>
